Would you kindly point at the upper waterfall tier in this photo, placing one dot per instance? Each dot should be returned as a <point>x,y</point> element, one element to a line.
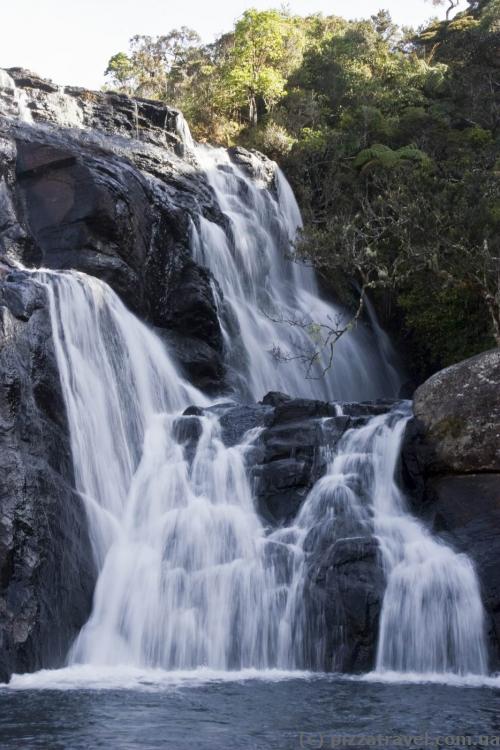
<point>195,240</point>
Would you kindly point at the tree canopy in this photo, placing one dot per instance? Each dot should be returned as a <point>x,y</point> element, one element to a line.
<point>390,137</point>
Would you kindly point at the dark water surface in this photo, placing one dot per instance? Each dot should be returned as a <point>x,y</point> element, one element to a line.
<point>281,715</point>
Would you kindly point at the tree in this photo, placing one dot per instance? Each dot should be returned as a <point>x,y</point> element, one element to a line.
<point>451,5</point>
<point>385,27</point>
<point>157,66</point>
<point>266,47</point>
<point>120,70</point>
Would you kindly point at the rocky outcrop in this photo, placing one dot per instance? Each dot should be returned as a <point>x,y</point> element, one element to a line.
<point>451,461</point>
<point>34,98</point>
<point>46,566</point>
<point>73,207</point>
<point>105,184</point>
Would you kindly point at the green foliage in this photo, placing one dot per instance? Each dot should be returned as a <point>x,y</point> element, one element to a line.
<point>383,156</point>
<point>390,138</point>
<point>267,47</point>
<point>442,325</point>
<point>120,69</point>
<point>272,139</point>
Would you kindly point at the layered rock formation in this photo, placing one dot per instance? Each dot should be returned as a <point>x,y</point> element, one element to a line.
<point>452,465</point>
<point>112,191</point>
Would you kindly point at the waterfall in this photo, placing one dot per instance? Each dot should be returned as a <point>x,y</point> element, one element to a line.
<point>274,302</point>
<point>7,83</point>
<point>182,555</point>
<point>432,619</point>
<point>188,574</point>
<point>183,131</point>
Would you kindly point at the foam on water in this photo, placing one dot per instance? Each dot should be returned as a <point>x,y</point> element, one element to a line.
<point>452,679</point>
<point>90,677</point>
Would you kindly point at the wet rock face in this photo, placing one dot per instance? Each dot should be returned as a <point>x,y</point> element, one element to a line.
<point>451,464</point>
<point>466,514</point>
<point>87,214</point>
<point>344,601</point>
<point>97,213</point>
<point>103,184</point>
<point>294,455</point>
<point>46,566</point>
<point>107,112</point>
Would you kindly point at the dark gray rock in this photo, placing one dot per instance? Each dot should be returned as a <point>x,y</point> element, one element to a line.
<point>200,362</point>
<point>108,112</point>
<point>296,446</point>
<point>68,205</point>
<point>46,566</point>
<point>239,419</point>
<point>344,595</point>
<point>459,409</point>
<point>100,188</point>
<point>275,398</point>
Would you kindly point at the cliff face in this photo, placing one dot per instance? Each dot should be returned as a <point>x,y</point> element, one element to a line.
<point>96,200</point>
<point>104,184</point>
<point>452,458</point>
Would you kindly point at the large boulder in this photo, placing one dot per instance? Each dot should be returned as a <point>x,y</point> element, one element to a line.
<point>459,409</point>
<point>47,572</point>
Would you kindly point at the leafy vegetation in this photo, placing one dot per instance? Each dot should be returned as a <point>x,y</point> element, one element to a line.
<point>390,138</point>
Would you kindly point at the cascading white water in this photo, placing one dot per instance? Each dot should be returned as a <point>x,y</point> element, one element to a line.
<point>8,84</point>
<point>183,579</point>
<point>183,131</point>
<point>187,574</point>
<point>432,619</point>
<point>273,299</point>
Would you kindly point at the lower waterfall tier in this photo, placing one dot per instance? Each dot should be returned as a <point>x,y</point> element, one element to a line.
<point>189,573</point>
